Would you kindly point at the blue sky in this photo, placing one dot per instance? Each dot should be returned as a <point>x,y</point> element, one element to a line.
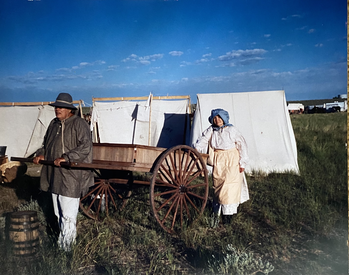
<point>125,48</point>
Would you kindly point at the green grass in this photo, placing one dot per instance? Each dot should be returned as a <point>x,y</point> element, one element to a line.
<point>292,224</point>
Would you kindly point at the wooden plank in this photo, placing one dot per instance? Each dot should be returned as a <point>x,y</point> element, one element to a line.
<point>126,181</point>
<point>113,165</point>
<point>111,153</point>
<point>33,103</point>
<point>148,156</point>
<point>126,153</point>
<point>138,98</point>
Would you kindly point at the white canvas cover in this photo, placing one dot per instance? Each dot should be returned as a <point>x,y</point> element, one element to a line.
<point>264,121</point>
<point>23,128</point>
<point>160,123</point>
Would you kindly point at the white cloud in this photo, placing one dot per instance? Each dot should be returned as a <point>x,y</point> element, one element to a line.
<point>319,45</point>
<point>63,70</point>
<point>291,17</point>
<point>99,62</point>
<point>176,53</point>
<point>112,67</point>
<point>267,35</point>
<point>202,60</point>
<point>84,64</point>
<point>185,63</point>
<point>206,55</point>
<point>143,60</point>
<point>282,74</point>
<point>230,64</point>
<point>311,31</point>
<point>242,55</point>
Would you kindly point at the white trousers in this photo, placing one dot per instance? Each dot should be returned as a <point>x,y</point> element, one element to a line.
<point>66,210</point>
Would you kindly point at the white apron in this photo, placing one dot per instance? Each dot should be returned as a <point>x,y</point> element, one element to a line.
<point>230,186</point>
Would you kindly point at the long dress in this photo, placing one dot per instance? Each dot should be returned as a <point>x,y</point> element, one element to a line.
<point>230,153</point>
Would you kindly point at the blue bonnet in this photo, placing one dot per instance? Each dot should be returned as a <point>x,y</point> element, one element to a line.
<point>219,112</point>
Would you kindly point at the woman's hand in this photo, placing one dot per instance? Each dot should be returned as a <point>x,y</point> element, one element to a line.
<point>38,158</point>
<point>241,169</point>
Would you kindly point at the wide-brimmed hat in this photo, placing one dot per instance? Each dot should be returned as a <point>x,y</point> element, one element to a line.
<point>64,100</point>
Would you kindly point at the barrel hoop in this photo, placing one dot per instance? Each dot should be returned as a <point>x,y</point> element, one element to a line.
<point>35,241</point>
<point>32,254</point>
<point>24,221</point>
<point>24,229</point>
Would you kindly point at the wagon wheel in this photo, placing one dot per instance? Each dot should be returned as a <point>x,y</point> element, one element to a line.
<point>103,199</point>
<point>178,188</point>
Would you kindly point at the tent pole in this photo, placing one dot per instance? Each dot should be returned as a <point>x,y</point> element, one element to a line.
<point>80,106</point>
<point>95,130</point>
<point>149,136</point>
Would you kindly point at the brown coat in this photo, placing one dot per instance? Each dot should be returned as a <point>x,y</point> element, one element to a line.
<point>77,147</point>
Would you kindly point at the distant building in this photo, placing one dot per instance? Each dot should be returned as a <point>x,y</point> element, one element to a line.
<point>295,108</point>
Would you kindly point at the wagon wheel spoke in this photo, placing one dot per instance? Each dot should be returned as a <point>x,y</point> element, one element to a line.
<point>178,188</point>
<point>165,193</point>
<point>103,199</point>
<point>88,201</point>
<point>186,208</point>
<point>191,202</point>
<point>176,210</point>
<point>165,203</point>
<point>111,198</point>
<point>190,172</point>
<point>195,195</point>
<point>169,211</point>
<point>164,170</point>
<point>161,182</point>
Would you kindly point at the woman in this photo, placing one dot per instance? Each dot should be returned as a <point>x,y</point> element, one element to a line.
<point>229,162</point>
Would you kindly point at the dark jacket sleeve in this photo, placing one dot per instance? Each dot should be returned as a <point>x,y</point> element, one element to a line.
<point>82,151</point>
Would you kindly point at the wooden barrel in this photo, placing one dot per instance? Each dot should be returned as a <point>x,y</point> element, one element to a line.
<point>24,233</point>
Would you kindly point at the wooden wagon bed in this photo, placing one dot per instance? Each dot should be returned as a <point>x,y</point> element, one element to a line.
<point>178,185</point>
<point>130,157</point>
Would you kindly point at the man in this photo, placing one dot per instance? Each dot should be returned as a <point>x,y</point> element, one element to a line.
<point>67,139</point>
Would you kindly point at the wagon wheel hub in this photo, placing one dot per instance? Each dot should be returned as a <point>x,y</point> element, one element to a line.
<point>182,189</point>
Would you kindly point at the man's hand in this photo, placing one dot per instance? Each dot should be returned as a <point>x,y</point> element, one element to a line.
<point>58,161</point>
<point>38,158</point>
<point>242,169</point>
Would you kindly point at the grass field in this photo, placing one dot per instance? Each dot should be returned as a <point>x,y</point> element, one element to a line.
<point>292,224</point>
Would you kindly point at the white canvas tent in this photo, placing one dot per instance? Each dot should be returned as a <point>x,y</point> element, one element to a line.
<point>154,121</point>
<point>23,126</point>
<point>264,121</point>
